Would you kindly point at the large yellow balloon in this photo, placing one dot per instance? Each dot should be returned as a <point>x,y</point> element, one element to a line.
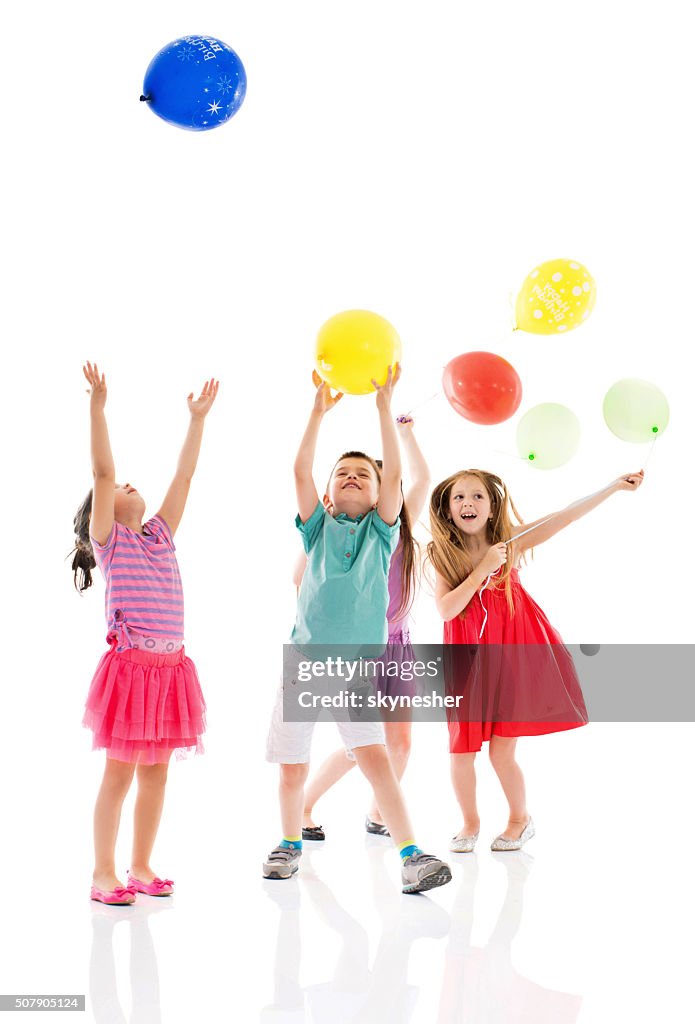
<point>556,297</point>
<point>355,346</point>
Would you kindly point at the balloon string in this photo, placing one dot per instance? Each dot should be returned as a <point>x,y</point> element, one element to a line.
<point>548,518</point>
<point>535,525</point>
<point>523,533</point>
<point>482,604</point>
<point>420,404</point>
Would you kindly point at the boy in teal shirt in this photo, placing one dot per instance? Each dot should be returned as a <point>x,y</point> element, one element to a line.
<point>346,556</point>
<point>349,539</point>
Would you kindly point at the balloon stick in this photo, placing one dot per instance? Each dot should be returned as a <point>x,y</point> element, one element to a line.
<point>510,455</point>
<point>649,453</point>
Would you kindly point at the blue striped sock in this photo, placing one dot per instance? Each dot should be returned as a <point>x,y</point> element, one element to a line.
<point>291,843</point>
<point>408,851</point>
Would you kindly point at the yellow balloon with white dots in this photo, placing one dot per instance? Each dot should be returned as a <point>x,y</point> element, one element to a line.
<point>556,297</point>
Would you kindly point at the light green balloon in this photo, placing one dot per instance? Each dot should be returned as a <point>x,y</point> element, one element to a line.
<point>636,410</point>
<point>548,435</point>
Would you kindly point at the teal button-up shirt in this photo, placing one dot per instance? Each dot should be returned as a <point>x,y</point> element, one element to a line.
<point>344,594</point>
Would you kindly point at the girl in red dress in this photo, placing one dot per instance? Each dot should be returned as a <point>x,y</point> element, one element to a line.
<point>510,670</point>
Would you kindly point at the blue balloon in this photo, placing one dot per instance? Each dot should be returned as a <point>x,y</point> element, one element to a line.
<point>196,82</point>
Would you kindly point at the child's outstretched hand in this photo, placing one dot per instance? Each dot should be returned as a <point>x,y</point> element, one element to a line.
<point>324,400</point>
<point>405,423</point>
<point>384,392</point>
<point>200,406</point>
<point>629,482</point>
<point>97,385</point>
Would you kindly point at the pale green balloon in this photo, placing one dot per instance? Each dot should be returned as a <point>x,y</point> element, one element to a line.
<point>548,435</point>
<point>636,410</point>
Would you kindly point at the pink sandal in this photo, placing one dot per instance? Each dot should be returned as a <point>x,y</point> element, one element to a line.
<point>157,887</point>
<point>121,896</point>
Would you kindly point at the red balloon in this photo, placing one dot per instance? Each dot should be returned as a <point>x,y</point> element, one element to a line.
<point>482,387</point>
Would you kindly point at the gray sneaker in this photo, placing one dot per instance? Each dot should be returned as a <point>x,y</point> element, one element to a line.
<point>422,871</point>
<point>282,862</point>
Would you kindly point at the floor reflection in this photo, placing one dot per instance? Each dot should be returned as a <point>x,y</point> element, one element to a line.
<point>481,985</point>
<point>144,977</point>
<point>356,993</point>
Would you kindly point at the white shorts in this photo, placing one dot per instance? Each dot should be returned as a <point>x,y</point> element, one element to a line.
<point>290,742</point>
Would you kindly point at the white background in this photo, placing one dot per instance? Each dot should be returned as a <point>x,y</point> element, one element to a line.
<point>418,161</point>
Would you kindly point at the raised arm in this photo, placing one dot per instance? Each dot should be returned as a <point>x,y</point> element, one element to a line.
<point>418,470</point>
<point>307,495</point>
<point>175,501</point>
<point>559,520</point>
<point>389,504</point>
<point>103,469</point>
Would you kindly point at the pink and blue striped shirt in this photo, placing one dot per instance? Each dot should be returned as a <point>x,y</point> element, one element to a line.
<point>143,584</point>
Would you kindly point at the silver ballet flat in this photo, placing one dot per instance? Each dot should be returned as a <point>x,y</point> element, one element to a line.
<point>464,845</point>
<point>499,844</point>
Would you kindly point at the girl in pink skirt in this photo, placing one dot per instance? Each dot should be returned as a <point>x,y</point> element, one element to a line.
<point>145,699</point>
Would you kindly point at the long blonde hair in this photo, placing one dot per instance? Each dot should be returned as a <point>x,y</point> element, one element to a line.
<point>448,550</point>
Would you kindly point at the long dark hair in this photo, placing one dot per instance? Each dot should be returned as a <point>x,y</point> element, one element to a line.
<point>83,561</point>
<point>410,559</point>
<point>406,540</point>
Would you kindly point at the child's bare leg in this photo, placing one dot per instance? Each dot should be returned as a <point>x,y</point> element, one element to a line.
<point>292,779</point>
<point>148,813</point>
<point>502,758</point>
<point>118,776</point>
<point>398,748</point>
<point>374,763</point>
<point>331,771</point>
<point>463,780</point>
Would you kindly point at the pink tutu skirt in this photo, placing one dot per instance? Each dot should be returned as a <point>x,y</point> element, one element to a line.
<point>141,706</point>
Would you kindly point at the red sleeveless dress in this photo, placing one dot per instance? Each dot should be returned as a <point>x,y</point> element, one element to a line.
<point>517,679</point>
